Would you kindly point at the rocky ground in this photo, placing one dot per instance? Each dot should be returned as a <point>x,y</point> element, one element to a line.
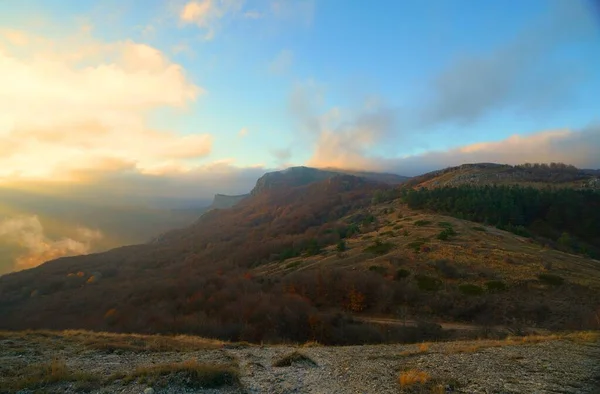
<point>109,363</point>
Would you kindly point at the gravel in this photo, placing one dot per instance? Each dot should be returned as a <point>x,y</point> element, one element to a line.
<point>554,366</point>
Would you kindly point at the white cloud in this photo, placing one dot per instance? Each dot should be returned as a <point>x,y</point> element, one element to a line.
<point>27,233</point>
<point>207,14</point>
<point>79,105</point>
<point>282,62</point>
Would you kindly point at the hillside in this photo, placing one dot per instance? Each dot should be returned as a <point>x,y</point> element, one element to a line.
<point>535,175</point>
<point>76,361</point>
<point>341,261</point>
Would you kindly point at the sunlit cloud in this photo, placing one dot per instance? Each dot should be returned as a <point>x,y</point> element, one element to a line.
<point>90,100</point>
<point>27,233</point>
<point>207,14</point>
<point>243,132</point>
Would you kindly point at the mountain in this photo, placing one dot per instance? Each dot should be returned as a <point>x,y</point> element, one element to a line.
<point>535,175</point>
<point>223,201</point>
<point>298,176</point>
<point>326,260</point>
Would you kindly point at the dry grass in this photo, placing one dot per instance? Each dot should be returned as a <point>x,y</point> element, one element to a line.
<point>38,376</point>
<point>111,342</point>
<point>413,377</point>
<point>294,358</point>
<point>474,346</point>
<point>191,373</point>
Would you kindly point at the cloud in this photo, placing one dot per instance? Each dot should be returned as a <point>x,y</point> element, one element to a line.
<point>341,137</point>
<point>207,14</point>
<point>282,156</point>
<point>79,105</point>
<point>243,132</point>
<point>282,62</point>
<point>577,147</point>
<point>28,233</point>
<point>521,75</point>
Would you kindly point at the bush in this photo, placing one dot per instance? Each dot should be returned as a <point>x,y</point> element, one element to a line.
<point>479,228</point>
<point>445,224</point>
<point>294,358</point>
<point>421,223</point>
<point>553,280</point>
<point>378,269</point>
<point>495,285</point>
<point>470,289</point>
<point>416,245</point>
<point>379,248</point>
<point>341,246</point>
<point>446,269</point>
<point>402,273</point>
<point>428,283</point>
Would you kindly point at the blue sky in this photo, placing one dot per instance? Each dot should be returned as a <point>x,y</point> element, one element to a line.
<point>340,83</point>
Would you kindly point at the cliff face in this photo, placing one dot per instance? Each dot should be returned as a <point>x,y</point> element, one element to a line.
<point>300,176</point>
<point>291,177</point>
<point>223,201</point>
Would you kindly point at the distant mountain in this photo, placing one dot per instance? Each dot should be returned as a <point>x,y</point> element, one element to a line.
<point>535,175</point>
<point>223,201</point>
<point>299,176</point>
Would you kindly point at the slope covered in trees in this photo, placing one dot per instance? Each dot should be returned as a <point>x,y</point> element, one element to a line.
<point>570,218</point>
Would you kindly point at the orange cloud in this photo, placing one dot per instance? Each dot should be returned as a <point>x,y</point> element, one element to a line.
<point>27,232</point>
<point>78,104</point>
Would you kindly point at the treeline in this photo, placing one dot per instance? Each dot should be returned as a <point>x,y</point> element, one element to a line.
<point>567,217</point>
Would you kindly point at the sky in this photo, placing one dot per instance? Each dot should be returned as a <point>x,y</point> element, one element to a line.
<point>113,112</point>
<point>189,98</point>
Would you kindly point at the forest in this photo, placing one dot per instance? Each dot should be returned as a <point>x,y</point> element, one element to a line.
<point>567,219</point>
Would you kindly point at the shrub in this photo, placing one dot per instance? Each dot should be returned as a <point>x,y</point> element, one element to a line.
<point>402,273</point>
<point>479,228</point>
<point>446,269</point>
<point>387,233</point>
<point>445,224</point>
<point>294,358</point>
<point>193,373</point>
<point>421,223</point>
<point>416,245</point>
<point>379,248</point>
<point>398,227</point>
<point>341,246</point>
<point>413,377</point>
<point>495,285</point>
<point>551,279</point>
<point>428,283</point>
<point>470,289</point>
<point>378,269</point>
